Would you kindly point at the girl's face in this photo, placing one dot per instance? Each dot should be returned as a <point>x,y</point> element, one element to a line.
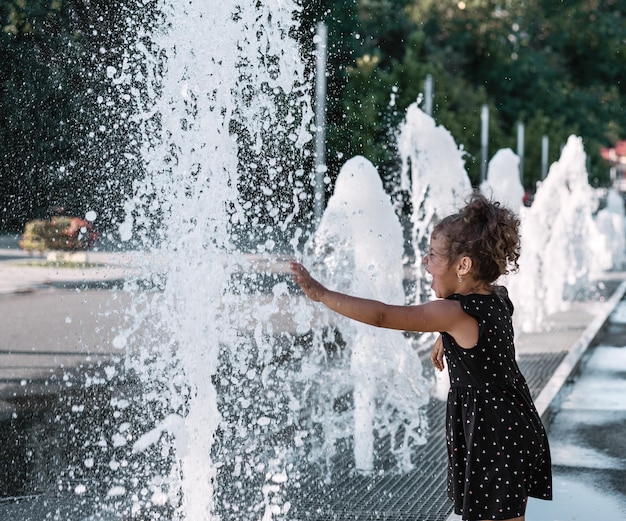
<point>437,263</point>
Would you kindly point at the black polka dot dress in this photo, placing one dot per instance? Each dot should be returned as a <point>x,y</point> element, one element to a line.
<point>497,446</point>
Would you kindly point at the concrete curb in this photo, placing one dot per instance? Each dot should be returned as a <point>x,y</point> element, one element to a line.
<point>547,400</point>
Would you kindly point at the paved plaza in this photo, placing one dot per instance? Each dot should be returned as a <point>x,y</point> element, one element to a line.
<point>56,320</point>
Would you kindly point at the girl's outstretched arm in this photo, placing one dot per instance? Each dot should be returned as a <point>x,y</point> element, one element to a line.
<point>364,310</point>
<point>439,315</point>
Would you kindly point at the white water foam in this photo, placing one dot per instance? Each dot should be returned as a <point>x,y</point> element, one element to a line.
<point>611,222</point>
<point>358,249</point>
<point>433,172</point>
<point>224,87</point>
<point>503,183</point>
<point>560,249</point>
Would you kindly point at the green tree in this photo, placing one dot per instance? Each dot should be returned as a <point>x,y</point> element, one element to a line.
<point>63,140</point>
<point>365,39</point>
<point>66,138</point>
<point>538,59</point>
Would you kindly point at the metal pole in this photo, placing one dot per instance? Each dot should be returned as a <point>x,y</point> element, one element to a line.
<point>520,150</point>
<point>545,143</point>
<point>484,140</point>
<point>320,121</point>
<point>428,94</point>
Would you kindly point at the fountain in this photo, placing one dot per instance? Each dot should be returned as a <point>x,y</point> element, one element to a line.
<point>433,172</point>
<point>231,397</point>
<point>611,223</point>
<point>358,248</point>
<point>562,249</point>
<point>232,391</point>
<point>235,103</point>
<point>503,183</point>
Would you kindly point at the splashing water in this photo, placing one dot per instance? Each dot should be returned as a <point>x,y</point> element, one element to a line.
<point>433,171</point>
<point>560,252</point>
<point>231,393</point>
<point>503,183</point>
<point>214,116</point>
<point>358,248</point>
<point>611,222</point>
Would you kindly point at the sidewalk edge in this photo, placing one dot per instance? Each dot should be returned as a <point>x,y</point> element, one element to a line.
<point>546,398</point>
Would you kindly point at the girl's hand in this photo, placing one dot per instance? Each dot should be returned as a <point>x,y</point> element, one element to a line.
<point>311,288</point>
<point>436,357</point>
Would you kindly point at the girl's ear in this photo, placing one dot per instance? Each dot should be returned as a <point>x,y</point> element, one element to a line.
<point>464,266</point>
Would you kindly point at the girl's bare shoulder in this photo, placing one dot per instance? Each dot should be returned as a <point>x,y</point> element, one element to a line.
<point>435,316</point>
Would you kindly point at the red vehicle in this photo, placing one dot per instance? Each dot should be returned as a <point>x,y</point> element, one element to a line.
<point>616,158</point>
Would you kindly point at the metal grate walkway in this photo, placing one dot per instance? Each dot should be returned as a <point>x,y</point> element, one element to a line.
<point>419,495</point>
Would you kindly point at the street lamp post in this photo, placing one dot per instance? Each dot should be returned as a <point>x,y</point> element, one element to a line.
<point>320,121</point>
<point>484,141</point>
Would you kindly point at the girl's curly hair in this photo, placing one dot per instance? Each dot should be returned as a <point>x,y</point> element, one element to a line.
<point>485,231</point>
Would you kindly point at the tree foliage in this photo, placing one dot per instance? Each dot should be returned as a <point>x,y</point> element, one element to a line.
<point>63,134</point>
<point>558,67</point>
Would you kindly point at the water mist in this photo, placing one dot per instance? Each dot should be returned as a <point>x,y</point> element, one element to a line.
<point>225,98</point>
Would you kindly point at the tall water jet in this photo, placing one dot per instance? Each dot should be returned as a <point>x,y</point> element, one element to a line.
<point>611,222</point>
<point>358,248</point>
<point>559,256</point>
<point>503,183</point>
<point>433,173</point>
<point>224,116</point>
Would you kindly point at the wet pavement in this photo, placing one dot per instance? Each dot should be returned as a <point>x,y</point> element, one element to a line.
<point>587,434</point>
<point>56,323</point>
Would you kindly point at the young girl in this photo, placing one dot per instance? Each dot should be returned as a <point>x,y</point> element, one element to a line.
<point>498,452</point>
